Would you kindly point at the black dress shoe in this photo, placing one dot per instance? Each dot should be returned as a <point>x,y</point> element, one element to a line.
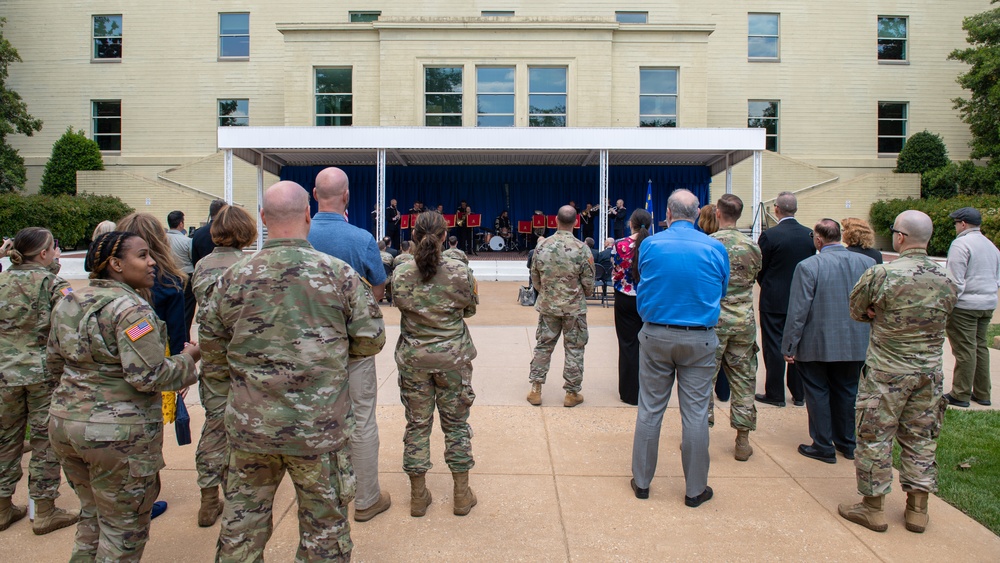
<point>639,493</point>
<point>695,502</point>
<point>761,398</point>
<point>799,402</point>
<point>984,402</point>
<point>848,454</point>
<point>813,453</point>
<point>955,402</point>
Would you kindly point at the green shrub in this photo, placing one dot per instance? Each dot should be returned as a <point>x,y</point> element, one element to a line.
<point>71,219</point>
<point>922,152</point>
<point>940,182</point>
<point>976,180</point>
<point>883,214</point>
<point>72,152</point>
<point>101,208</point>
<point>12,172</point>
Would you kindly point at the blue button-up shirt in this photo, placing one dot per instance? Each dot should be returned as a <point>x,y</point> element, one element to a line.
<point>332,234</point>
<point>683,275</point>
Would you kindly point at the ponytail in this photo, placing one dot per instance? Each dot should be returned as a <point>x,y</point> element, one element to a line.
<point>427,235</point>
<point>640,221</point>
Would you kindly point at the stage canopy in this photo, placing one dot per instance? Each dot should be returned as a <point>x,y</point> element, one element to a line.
<point>503,165</point>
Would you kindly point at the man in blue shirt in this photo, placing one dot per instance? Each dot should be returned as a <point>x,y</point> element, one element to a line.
<point>332,234</point>
<point>683,276</point>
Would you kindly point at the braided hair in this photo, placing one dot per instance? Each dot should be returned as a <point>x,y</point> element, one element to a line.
<point>28,243</point>
<point>427,235</point>
<point>101,251</point>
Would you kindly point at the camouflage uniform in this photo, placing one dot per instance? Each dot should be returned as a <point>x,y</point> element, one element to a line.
<point>212,456</point>
<point>456,254</point>
<point>737,328</point>
<point>900,394</point>
<point>27,294</point>
<point>282,323</point>
<point>563,273</point>
<point>386,258</point>
<point>434,354</point>
<point>106,425</point>
<point>402,258</point>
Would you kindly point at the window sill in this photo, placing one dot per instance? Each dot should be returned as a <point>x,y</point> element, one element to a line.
<point>106,61</point>
<point>888,155</point>
<point>763,60</point>
<point>893,62</point>
<point>231,59</point>
<point>111,153</point>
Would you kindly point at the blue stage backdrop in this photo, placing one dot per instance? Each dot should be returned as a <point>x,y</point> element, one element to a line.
<point>518,189</point>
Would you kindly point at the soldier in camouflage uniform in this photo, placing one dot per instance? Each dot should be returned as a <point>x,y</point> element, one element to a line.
<point>562,272</point>
<point>404,254</point>
<point>434,293</point>
<point>907,302</point>
<point>737,328</point>
<point>231,230</point>
<point>106,423</point>
<point>28,291</point>
<point>282,323</point>
<point>453,251</point>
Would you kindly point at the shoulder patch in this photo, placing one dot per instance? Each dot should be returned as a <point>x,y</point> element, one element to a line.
<point>66,291</point>
<point>139,329</point>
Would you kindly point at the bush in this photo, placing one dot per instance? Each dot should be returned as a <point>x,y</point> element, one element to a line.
<point>976,180</point>
<point>883,214</point>
<point>12,172</point>
<point>73,151</point>
<point>71,219</point>
<point>922,152</point>
<point>940,183</point>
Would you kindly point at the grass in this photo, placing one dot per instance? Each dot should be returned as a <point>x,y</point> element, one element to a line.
<point>969,438</point>
<point>991,332</point>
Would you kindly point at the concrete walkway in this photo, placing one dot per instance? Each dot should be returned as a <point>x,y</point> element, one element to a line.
<point>553,483</point>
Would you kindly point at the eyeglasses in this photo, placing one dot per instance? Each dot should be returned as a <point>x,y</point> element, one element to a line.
<point>55,243</point>
<point>894,231</point>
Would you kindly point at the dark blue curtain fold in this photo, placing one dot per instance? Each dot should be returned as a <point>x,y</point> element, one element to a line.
<point>518,189</point>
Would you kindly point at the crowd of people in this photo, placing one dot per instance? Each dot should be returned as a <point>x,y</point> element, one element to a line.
<point>288,335</point>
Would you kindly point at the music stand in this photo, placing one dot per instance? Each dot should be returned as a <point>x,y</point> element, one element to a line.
<point>449,220</point>
<point>551,221</point>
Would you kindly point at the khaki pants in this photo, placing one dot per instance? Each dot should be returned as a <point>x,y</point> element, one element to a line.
<point>967,334</point>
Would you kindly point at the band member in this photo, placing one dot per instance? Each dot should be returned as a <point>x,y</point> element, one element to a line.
<point>392,217</point>
<point>587,221</point>
<point>501,228</point>
<point>471,231</point>
<point>461,226</point>
<point>536,232</point>
<point>418,208</point>
<point>616,217</point>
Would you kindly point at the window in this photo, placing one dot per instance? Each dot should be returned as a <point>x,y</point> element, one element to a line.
<point>498,13</point>
<point>657,97</point>
<point>443,96</point>
<point>495,96</point>
<point>762,36</point>
<point>764,114</point>
<point>108,37</point>
<point>631,17</point>
<point>891,127</point>
<point>107,116</point>
<point>891,38</point>
<point>547,97</point>
<point>234,113</point>
<point>333,96</point>
<point>234,36</point>
<point>364,17</point>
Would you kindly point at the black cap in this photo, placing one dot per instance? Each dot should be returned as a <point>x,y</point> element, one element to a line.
<point>970,215</point>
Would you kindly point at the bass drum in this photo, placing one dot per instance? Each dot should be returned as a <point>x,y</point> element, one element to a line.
<point>496,244</point>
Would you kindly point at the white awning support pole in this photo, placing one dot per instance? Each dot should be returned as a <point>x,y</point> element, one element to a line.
<point>758,158</point>
<point>729,173</point>
<point>380,195</point>
<point>227,178</point>
<point>260,200</point>
<point>603,197</point>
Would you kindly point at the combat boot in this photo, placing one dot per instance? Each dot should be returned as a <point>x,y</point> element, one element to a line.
<point>420,496</point>
<point>535,395</point>
<point>711,412</point>
<point>465,499</point>
<point>916,511</point>
<point>870,513</point>
<point>572,399</point>
<point>743,448</point>
<point>48,518</point>
<point>9,513</point>
<point>210,507</point>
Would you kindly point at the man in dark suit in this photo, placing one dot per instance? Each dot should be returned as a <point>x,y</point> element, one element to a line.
<point>825,344</point>
<point>392,218</point>
<point>201,239</point>
<point>782,247</point>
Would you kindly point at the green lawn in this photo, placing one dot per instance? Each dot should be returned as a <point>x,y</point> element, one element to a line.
<point>994,330</point>
<point>970,438</point>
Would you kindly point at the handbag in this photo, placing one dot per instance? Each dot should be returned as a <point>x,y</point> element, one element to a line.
<point>526,296</point>
<point>182,425</point>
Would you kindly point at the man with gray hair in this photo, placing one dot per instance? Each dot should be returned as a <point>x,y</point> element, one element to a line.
<point>782,247</point>
<point>683,275</point>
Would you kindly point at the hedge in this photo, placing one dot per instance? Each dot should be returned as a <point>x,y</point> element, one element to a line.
<point>883,214</point>
<point>71,219</point>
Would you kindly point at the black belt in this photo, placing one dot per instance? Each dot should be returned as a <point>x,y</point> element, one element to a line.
<point>679,327</point>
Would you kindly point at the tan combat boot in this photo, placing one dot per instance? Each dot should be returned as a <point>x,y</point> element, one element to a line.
<point>743,448</point>
<point>572,399</point>
<point>916,511</point>
<point>465,499</point>
<point>711,412</point>
<point>420,495</point>
<point>870,513</point>
<point>210,507</point>
<point>9,513</point>
<point>48,518</point>
<point>535,395</point>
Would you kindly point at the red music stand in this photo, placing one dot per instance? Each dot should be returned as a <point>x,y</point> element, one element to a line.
<point>577,225</point>
<point>538,221</point>
<point>404,222</point>
<point>524,227</point>
<point>450,220</point>
<point>475,220</point>
<point>551,222</point>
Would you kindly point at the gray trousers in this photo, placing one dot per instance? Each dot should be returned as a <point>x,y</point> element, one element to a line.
<point>666,354</point>
<point>363,386</point>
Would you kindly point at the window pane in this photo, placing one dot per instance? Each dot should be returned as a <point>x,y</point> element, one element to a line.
<point>771,144</point>
<point>107,26</point>
<point>892,28</point>
<point>108,125</point>
<point>631,17</point>
<point>107,109</point>
<point>238,46</point>
<point>333,120</point>
<point>657,81</point>
<point>763,24</point>
<point>443,103</point>
<point>547,121</point>
<point>891,127</point>
<point>444,121</point>
<point>890,144</point>
<point>891,110</point>
<point>657,105</point>
<point>495,103</point>
<point>547,80</point>
<point>234,121</point>
<point>547,103</point>
<point>333,104</point>
<point>762,47</point>
<point>443,79</point>
<point>333,80</point>
<point>892,49</point>
<point>107,48</point>
<point>109,142</point>
<point>495,121</point>
<point>657,122</point>
<point>495,79</point>
<point>234,24</point>
<point>762,109</point>
<point>234,108</point>
<point>364,17</point>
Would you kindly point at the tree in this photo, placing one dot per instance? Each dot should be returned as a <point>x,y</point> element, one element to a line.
<point>73,151</point>
<point>14,118</point>
<point>983,81</point>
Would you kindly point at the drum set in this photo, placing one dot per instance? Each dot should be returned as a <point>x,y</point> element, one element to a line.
<point>493,242</point>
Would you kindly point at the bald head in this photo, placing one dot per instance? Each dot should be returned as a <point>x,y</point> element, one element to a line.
<point>917,226</point>
<point>566,216</point>
<point>331,191</point>
<point>285,210</point>
<point>786,204</point>
<point>683,206</point>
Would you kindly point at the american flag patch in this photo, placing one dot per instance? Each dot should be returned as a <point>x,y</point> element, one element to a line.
<point>66,291</point>
<point>138,330</point>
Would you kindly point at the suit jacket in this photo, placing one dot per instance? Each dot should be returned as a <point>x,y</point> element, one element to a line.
<point>819,327</point>
<point>201,243</point>
<point>782,247</point>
